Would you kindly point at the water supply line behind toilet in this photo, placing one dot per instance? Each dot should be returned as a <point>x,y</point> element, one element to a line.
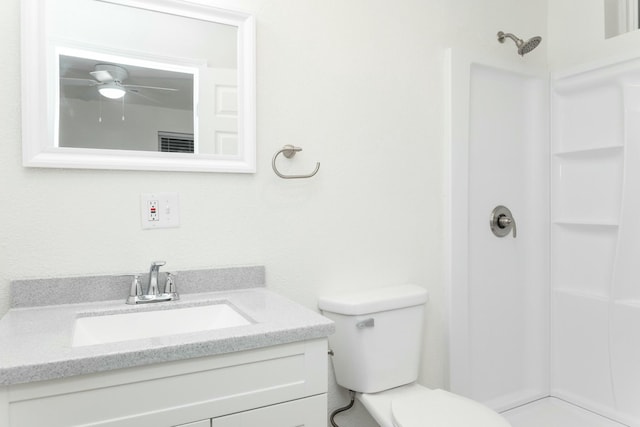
<point>352,397</point>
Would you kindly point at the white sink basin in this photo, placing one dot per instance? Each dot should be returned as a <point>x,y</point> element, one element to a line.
<point>148,324</point>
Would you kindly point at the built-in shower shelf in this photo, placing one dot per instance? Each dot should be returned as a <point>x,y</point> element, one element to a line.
<point>568,290</point>
<point>574,222</point>
<point>635,303</point>
<point>589,152</point>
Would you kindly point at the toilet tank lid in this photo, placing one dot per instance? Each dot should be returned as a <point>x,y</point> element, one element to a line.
<point>374,300</point>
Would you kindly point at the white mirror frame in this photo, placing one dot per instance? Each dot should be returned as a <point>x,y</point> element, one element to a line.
<point>38,145</point>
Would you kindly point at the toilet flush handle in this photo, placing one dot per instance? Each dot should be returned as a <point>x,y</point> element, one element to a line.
<point>367,323</point>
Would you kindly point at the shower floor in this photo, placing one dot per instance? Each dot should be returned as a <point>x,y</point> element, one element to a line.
<point>552,412</point>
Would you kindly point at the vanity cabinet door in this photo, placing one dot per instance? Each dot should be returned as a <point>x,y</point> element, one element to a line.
<point>203,423</point>
<point>308,412</point>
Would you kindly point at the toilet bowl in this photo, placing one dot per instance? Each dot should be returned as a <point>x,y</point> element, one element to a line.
<point>414,405</point>
<point>376,353</point>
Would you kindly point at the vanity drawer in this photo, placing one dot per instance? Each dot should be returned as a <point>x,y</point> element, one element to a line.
<point>203,423</point>
<point>309,412</point>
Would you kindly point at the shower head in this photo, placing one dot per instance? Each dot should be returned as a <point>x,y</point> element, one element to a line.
<point>523,47</point>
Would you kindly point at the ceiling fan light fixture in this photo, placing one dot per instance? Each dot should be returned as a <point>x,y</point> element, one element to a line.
<point>112,91</point>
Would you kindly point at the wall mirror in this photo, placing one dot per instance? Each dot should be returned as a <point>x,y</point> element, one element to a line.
<point>138,84</point>
<point>620,17</point>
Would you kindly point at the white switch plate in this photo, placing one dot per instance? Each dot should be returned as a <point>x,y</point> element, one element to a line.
<point>167,210</point>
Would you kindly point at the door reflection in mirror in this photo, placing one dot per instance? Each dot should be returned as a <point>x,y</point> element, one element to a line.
<point>620,17</point>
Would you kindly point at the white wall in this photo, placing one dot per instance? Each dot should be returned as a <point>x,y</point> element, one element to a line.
<point>577,35</point>
<point>360,86</point>
<point>80,127</point>
<point>136,31</point>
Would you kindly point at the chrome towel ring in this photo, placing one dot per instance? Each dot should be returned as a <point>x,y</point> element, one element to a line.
<point>289,151</point>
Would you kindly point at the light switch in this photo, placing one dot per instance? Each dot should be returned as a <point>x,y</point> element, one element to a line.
<point>159,210</point>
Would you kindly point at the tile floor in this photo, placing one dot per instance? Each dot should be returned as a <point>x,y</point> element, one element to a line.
<point>552,412</point>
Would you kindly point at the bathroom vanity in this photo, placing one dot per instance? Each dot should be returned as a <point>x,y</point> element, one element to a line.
<point>271,371</point>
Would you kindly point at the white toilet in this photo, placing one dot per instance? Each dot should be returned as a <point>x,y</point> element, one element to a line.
<point>377,353</point>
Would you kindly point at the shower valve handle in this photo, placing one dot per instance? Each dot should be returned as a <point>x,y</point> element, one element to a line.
<point>502,222</point>
<point>506,222</point>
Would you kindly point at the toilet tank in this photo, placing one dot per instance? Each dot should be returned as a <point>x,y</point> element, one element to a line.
<point>378,336</point>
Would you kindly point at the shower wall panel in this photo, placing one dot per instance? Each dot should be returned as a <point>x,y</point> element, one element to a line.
<point>500,355</point>
<point>595,250</point>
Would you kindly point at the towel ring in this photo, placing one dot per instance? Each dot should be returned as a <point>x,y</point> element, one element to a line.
<point>289,151</point>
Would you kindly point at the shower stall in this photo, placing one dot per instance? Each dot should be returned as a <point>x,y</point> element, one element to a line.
<point>545,325</point>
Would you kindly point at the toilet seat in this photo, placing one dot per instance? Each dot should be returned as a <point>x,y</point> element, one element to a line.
<point>413,405</point>
<point>439,408</point>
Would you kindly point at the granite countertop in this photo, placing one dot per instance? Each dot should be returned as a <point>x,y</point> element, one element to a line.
<point>36,341</point>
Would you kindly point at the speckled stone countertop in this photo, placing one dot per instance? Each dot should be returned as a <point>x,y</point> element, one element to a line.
<point>36,340</point>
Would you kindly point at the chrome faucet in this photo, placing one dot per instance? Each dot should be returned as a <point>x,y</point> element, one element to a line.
<point>152,288</point>
<point>153,293</point>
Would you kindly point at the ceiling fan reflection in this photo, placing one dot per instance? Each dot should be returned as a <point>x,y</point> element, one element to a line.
<point>109,80</point>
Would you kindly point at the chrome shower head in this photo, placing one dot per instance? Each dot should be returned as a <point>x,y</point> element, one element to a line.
<point>529,45</point>
<point>523,47</point>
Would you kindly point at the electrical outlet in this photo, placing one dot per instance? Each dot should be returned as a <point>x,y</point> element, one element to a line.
<point>152,210</point>
<point>159,210</point>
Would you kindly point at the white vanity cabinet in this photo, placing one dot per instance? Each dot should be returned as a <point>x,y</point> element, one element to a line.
<point>203,423</point>
<point>280,386</point>
<point>298,413</point>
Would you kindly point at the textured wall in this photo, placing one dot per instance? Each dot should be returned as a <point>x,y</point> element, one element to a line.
<point>576,35</point>
<point>360,85</point>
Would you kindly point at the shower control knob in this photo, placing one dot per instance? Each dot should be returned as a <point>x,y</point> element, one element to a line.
<point>502,222</point>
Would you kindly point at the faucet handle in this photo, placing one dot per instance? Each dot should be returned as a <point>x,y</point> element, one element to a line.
<point>158,263</point>
<point>170,286</point>
<point>136,288</point>
<point>135,291</point>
